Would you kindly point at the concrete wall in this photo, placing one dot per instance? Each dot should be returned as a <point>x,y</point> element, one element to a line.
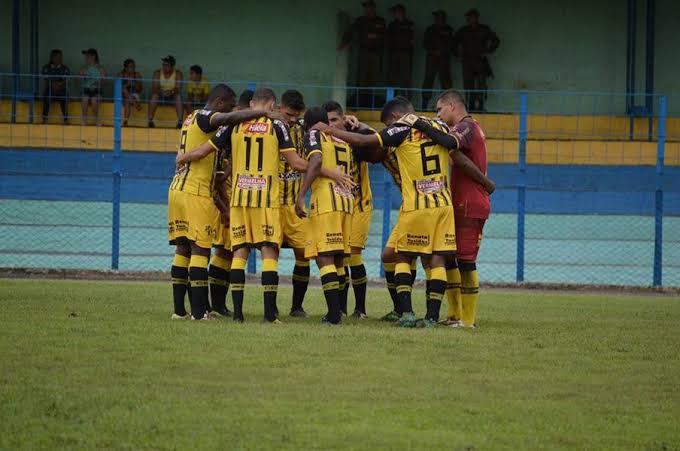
<point>578,45</point>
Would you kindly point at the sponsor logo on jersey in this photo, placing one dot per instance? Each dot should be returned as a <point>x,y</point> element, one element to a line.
<point>429,186</point>
<point>394,130</point>
<point>283,129</point>
<point>340,191</point>
<point>258,127</point>
<point>314,138</point>
<point>251,183</point>
<point>334,238</point>
<point>417,239</point>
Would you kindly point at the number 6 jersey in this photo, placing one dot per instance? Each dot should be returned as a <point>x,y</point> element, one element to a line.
<point>423,166</point>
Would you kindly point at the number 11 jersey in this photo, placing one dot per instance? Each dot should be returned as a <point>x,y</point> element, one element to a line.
<point>256,148</point>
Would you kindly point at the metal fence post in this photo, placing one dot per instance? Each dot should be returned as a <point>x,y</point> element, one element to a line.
<point>115,217</point>
<point>658,198</point>
<point>521,183</point>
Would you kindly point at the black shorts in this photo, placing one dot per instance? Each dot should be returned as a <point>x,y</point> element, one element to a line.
<point>91,92</point>
<point>166,100</point>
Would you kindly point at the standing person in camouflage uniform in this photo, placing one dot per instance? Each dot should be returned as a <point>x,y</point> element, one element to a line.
<point>473,43</point>
<point>370,30</point>
<point>400,40</point>
<point>438,45</point>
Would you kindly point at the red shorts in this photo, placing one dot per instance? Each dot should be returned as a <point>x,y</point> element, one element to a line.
<point>468,237</point>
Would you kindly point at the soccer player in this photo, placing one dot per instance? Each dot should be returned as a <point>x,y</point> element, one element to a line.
<point>426,224</point>
<point>331,208</point>
<point>256,147</point>
<point>471,202</point>
<point>294,232</point>
<point>361,216</point>
<point>193,218</point>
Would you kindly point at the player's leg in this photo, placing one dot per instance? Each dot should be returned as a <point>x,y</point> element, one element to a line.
<point>343,275</point>
<point>426,261</point>
<point>270,281</point>
<point>359,282</point>
<point>328,272</point>
<point>218,277</point>
<point>469,233</point>
<point>238,280</point>
<point>389,261</point>
<point>404,284</point>
<point>453,292</point>
<point>179,273</point>
<point>198,280</point>
<point>300,283</point>
<point>437,284</point>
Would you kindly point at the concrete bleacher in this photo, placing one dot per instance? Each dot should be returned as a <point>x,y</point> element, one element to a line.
<point>552,139</point>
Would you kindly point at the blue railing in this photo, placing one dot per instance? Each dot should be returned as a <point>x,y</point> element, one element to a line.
<point>520,186</point>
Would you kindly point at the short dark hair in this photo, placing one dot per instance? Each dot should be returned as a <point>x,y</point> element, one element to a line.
<point>223,92</point>
<point>397,105</point>
<point>314,115</point>
<point>293,99</point>
<point>264,95</point>
<point>451,95</point>
<point>245,98</point>
<point>128,61</point>
<point>55,52</point>
<point>332,106</point>
<point>196,68</point>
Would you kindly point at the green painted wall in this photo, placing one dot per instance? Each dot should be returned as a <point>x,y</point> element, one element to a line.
<point>578,45</point>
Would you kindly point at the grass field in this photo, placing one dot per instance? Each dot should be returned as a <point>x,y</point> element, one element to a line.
<point>99,365</point>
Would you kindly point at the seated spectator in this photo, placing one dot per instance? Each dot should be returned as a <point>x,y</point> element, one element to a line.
<point>91,83</point>
<point>244,100</point>
<point>132,87</point>
<point>54,74</point>
<point>166,89</point>
<point>197,89</point>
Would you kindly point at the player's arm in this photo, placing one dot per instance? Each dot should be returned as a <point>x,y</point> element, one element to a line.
<point>217,142</point>
<point>236,117</point>
<point>312,151</point>
<point>353,139</point>
<point>300,165</point>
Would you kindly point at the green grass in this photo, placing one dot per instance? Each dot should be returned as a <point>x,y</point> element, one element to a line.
<point>100,365</point>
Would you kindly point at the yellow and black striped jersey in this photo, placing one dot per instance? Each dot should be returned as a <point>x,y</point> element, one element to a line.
<point>256,148</point>
<point>196,177</point>
<point>363,197</point>
<point>391,164</point>
<point>327,196</point>
<point>290,180</point>
<point>423,166</point>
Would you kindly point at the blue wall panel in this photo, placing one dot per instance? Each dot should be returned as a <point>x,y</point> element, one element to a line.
<point>553,189</point>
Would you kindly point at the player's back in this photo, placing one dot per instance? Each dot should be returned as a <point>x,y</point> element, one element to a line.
<point>423,166</point>
<point>290,179</point>
<point>196,177</point>
<point>328,196</point>
<point>470,198</point>
<point>255,147</point>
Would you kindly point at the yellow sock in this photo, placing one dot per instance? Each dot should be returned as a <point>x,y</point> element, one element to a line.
<point>428,273</point>
<point>180,261</point>
<point>356,260</point>
<point>269,264</point>
<point>220,262</point>
<point>470,295</point>
<point>453,293</point>
<point>238,263</point>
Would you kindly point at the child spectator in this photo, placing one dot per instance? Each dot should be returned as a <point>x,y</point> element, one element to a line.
<point>197,89</point>
<point>132,87</point>
<point>91,83</point>
<point>54,74</point>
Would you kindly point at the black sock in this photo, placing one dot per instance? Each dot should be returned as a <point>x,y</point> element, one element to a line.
<point>238,281</point>
<point>270,285</point>
<point>331,291</point>
<point>300,283</point>
<point>199,291</point>
<point>392,288</point>
<point>434,300</point>
<point>344,291</point>
<point>180,284</point>
<point>219,284</point>
<point>403,283</point>
<point>359,281</point>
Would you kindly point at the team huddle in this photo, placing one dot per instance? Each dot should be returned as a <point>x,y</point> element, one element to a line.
<point>244,171</point>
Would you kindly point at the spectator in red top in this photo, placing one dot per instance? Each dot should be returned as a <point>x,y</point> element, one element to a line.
<point>471,204</point>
